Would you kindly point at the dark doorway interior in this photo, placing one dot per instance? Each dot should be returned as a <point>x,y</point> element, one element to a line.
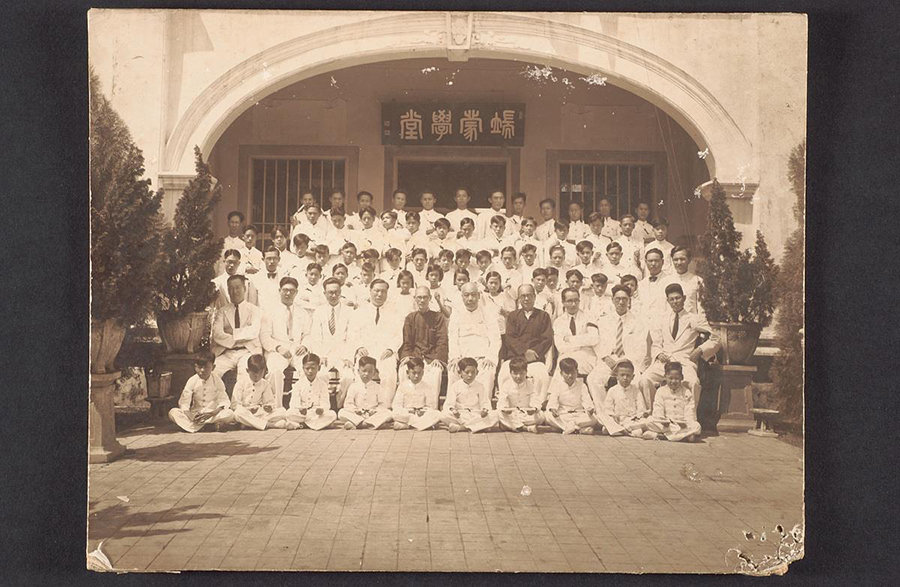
<point>443,178</point>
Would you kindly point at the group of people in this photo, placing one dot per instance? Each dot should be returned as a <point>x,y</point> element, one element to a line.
<point>583,326</point>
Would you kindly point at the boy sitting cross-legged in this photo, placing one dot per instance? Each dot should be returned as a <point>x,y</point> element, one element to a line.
<point>624,410</point>
<point>674,412</point>
<point>518,401</point>
<point>363,406</point>
<point>411,402</point>
<point>569,408</point>
<point>310,405</point>
<point>253,401</point>
<point>203,400</point>
<point>468,403</point>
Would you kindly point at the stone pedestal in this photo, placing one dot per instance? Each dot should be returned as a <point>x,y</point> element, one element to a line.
<point>735,397</point>
<point>102,445</point>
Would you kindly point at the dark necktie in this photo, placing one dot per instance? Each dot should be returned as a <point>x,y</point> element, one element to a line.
<point>377,314</point>
<point>653,278</point>
<point>237,317</point>
<point>272,275</point>
<point>675,327</point>
<point>572,324</point>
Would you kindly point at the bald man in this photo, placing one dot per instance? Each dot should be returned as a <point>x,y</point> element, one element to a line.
<point>529,336</point>
<point>425,337</point>
<point>474,332</point>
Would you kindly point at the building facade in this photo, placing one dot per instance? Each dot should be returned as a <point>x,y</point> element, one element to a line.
<point>629,107</point>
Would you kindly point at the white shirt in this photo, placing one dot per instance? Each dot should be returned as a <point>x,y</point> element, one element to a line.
<point>690,284</point>
<point>428,217</point>
<point>252,395</point>
<point>474,334</point>
<point>483,223</point>
<point>310,394</point>
<point>643,230</point>
<point>203,395</point>
<point>363,396</point>
<point>464,396</point>
<point>545,230</point>
<point>456,216</point>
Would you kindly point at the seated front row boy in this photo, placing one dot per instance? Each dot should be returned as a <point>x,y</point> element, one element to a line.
<point>253,400</point>
<point>624,411</point>
<point>415,403</point>
<point>364,406</point>
<point>569,407</point>
<point>674,412</point>
<point>203,400</point>
<point>468,404</point>
<point>518,401</point>
<point>310,405</point>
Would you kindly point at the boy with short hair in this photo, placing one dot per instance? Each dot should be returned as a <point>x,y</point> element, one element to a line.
<point>428,214</point>
<point>419,269</point>
<point>518,401</point>
<point>463,259</point>
<point>631,245</point>
<point>643,229</point>
<point>526,236</point>
<point>691,283</point>
<point>674,411</point>
<point>348,260</point>
<point>394,258</point>
<point>367,235</point>
<point>310,405</point>
<point>596,236</point>
<point>561,238</point>
<point>415,402</point>
<point>585,260</point>
<point>611,228</point>
<point>599,304</point>
<point>322,256</point>
<point>398,201</point>
<point>363,201</point>
<point>528,262</point>
<point>616,266</point>
<point>543,298</point>
<point>496,239</point>
<point>300,247</point>
<point>509,272</point>
<point>442,239</point>
<point>338,233</point>
<point>483,260</point>
<point>203,400</point>
<point>445,261</point>
<point>483,227</point>
<point>514,220</point>
<point>364,406</point>
<point>660,232</point>
<point>545,230</point>
<point>624,410</point>
<point>235,239</point>
<point>253,400</point>
<point>578,230</point>
<point>569,407</point>
<point>251,257</point>
<point>557,258</point>
<point>462,211</point>
<point>417,237</point>
<point>299,217</point>
<point>310,295</point>
<point>468,403</point>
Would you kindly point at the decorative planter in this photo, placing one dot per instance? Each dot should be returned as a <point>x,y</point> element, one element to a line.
<point>739,342</point>
<point>159,384</point>
<point>102,444</point>
<point>106,340</point>
<point>182,334</point>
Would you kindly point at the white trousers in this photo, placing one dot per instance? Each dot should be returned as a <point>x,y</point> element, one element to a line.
<point>368,419</point>
<point>311,419</point>
<point>432,377</point>
<point>276,364</point>
<point>537,371</point>
<point>387,373</point>
<point>596,382</point>
<point>472,420</point>
<point>261,419</point>
<point>231,359</point>
<point>569,420</point>
<point>429,419</point>
<point>517,418</point>
<point>674,431</point>
<point>185,419</point>
<point>487,368</point>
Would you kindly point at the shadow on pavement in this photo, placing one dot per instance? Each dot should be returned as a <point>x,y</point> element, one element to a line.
<point>181,452</point>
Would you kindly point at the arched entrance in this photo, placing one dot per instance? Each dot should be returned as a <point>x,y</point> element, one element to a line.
<point>459,37</point>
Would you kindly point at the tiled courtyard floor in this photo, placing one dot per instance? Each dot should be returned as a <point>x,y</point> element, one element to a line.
<point>432,501</point>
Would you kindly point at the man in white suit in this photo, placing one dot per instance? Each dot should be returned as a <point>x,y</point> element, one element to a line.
<point>329,337</point>
<point>235,330</point>
<point>267,280</point>
<point>622,336</point>
<point>378,333</point>
<point>674,338</point>
<point>473,331</point>
<point>574,335</point>
<point>284,335</point>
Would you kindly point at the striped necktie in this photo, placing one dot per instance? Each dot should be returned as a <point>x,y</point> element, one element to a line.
<point>620,332</point>
<point>331,322</point>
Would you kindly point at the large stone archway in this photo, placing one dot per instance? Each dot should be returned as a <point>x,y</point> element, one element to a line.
<point>457,37</point>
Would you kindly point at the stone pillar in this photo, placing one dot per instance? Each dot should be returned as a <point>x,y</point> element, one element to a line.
<point>735,398</point>
<point>103,446</point>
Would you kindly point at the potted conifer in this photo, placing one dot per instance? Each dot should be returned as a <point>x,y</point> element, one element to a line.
<point>190,252</point>
<point>126,230</point>
<point>738,286</point>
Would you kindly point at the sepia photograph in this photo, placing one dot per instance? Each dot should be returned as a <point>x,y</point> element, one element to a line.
<point>437,291</point>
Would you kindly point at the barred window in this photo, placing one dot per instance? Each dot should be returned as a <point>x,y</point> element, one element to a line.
<point>278,183</point>
<point>624,185</point>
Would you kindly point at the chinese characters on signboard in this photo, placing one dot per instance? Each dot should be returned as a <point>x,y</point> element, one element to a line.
<point>483,125</point>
